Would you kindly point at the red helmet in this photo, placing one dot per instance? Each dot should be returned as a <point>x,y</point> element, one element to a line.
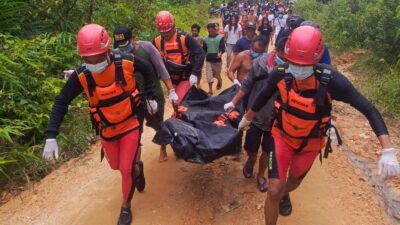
<point>165,21</point>
<point>93,39</point>
<point>304,46</point>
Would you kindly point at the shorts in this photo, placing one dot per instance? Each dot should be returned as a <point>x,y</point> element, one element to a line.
<point>283,159</point>
<point>245,100</point>
<point>256,137</point>
<point>213,70</point>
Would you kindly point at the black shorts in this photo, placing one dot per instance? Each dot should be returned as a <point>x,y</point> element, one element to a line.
<point>256,137</point>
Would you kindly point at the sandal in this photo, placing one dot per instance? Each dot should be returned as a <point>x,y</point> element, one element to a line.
<point>261,186</point>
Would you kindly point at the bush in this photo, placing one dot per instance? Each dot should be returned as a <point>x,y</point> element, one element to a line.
<point>372,25</point>
<point>350,24</point>
<point>34,50</point>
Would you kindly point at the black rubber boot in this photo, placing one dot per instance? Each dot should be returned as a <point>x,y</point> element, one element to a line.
<point>285,206</point>
<point>125,217</point>
<point>141,181</point>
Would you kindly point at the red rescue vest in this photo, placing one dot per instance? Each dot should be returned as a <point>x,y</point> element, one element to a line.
<point>175,54</point>
<point>303,110</point>
<point>113,98</point>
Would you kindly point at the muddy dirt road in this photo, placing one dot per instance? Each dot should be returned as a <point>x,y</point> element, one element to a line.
<point>86,192</point>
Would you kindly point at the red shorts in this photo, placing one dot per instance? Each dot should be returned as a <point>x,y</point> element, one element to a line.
<point>283,159</point>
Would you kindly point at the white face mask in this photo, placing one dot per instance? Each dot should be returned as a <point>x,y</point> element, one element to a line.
<point>99,67</point>
<point>301,72</point>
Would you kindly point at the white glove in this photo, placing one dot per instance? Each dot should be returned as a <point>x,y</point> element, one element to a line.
<point>152,106</point>
<point>50,149</point>
<point>236,81</point>
<point>388,165</point>
<point>193,79</point>
<point>173,97</point>
<point>67,74</point>
<point>228,107</point>
<point>244,123</point>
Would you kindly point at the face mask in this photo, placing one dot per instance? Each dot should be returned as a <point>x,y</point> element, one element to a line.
<point>278,61</point>
<point>301,72</point>
<point>99,67</point>
<point>280,16</point>
<point>127,49</point>
<point>254,54</point>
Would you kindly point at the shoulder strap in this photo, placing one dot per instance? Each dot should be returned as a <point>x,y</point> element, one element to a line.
<point>119,73</point>
<point>282,69</point>
<point>179,41</point>
<point>90,81</point>
<point>162,43</point>
<point>325,76</point>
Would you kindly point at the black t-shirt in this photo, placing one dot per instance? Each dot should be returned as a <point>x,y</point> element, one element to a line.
<point>265,30</point>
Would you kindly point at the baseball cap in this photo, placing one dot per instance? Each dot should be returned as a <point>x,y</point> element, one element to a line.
<point>251,24</point>
<point>122,36</point>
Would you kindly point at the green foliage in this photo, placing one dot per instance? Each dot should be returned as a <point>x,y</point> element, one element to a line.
<point>381,83</point>
<point>37,42</point>
<point>372,25</point>
<point>352,24</point>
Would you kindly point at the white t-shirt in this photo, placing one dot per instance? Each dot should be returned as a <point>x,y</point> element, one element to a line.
<point>279,24</point>
<point>271,18</point>
<point>286,16</point>
<point>260,17</point>
<point>233,36</point>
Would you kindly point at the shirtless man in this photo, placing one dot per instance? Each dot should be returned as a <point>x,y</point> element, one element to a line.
<point>252,17</point>
<point>242,63</point>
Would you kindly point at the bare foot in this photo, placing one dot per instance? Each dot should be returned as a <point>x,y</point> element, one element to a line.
<point>163,154</point>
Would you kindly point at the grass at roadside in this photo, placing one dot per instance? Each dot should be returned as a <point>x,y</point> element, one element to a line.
<point>380,82</point>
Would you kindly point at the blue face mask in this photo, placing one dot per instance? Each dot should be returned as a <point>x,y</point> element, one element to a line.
<point>254,54</point>
<point>127,49</point>
<point>278,61</point>
<point>301,72</point>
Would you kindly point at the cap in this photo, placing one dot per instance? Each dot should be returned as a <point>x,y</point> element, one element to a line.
<point>251,24</point>
<point>122,36</point>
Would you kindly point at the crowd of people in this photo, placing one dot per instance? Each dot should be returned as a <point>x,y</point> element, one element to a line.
<point>288,93</point>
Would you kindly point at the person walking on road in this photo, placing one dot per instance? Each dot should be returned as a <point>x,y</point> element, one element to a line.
<point>259,133</point>
<point>303,108</point>
<point>233,32</point>
<point>126,43</point>
<point>183,57</point>
<point>108,80</point>
<point>214,47</point>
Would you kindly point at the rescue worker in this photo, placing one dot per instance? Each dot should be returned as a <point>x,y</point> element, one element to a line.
<point>175,46</point>
<point>125,42</point>
<point>183,57</point>
<point>108,80</point>
<point>303,108</point>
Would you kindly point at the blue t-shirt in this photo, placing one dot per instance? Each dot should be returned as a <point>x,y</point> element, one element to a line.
<point>242,44</point>
<point>326,58</point>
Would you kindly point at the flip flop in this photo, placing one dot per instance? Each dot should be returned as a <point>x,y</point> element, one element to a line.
<point>247,170</point>
<point>261,186</point>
